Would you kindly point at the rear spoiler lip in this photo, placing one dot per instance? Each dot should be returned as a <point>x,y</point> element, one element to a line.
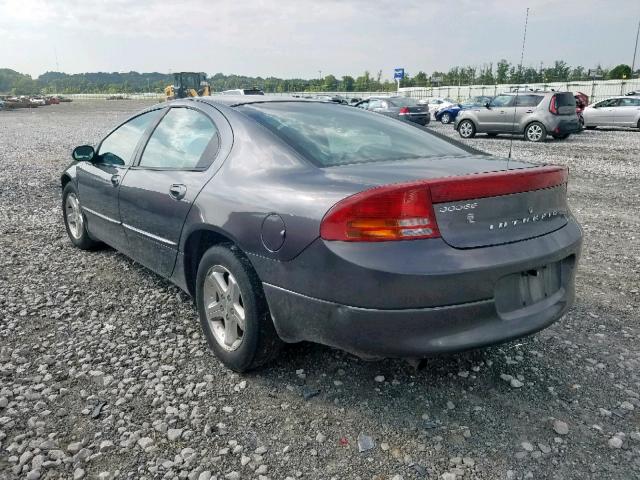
<point>487,184</point>
<point>495,184</point>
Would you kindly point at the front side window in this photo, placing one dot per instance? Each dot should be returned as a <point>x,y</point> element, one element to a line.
<point>180,140</point>
<point>120,146</point>
<point>502,101</point>
<point>330,135</point>
<point>612,102</point>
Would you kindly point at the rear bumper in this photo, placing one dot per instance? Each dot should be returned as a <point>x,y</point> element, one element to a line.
<point>422,299</point>
<point>419,119</point>
<point>566,126</point>
<point>409,333</point>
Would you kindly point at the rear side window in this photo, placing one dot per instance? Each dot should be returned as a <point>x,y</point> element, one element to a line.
<point>565,100</point>
<point>528,100</point>
<point>330,135</point>
<point>120,146</point>
<point>180,141</point>
<point>629,102</point>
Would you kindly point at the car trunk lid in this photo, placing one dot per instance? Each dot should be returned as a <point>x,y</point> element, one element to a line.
<point>480,202</point>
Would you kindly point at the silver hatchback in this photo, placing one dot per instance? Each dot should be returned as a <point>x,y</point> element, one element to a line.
<point>534,114</point>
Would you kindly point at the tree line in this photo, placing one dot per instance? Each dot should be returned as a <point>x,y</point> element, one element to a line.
<point>12,82</point>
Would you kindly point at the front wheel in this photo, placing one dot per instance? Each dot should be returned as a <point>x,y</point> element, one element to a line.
<point>233,311</point>
<point>535,132</point>
<point>445,118</point>
<point>467,129</point>
<point>74,220</point>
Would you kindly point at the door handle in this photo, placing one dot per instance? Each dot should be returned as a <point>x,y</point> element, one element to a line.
<point>178,191</point>
<point>115,180</point>
<point>529,111</point>
<point>502,112</point>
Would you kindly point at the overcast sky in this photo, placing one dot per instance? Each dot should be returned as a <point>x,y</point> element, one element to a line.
<point>296,38</point>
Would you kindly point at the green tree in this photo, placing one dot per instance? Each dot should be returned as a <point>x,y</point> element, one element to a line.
<point>502,71</point>
<point>347,83</point>
<point>619,72</point>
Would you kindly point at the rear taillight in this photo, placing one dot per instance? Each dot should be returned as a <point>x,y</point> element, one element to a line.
<point>393,212</point>
<point>405,211</point>
<point>404,111</point>
<point>553,105</point>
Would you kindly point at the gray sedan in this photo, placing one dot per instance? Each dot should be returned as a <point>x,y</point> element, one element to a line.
<point>290,220</point>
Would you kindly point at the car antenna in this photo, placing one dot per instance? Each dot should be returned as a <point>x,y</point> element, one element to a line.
<point>515,103</point>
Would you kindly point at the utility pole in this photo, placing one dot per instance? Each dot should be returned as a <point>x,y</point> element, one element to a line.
<point>635,50</point>
<point>320,75</point>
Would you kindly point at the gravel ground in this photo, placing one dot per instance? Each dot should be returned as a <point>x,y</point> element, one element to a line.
<point>104,372</point>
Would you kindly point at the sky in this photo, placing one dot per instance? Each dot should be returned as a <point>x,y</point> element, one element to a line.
<point>300,38</point>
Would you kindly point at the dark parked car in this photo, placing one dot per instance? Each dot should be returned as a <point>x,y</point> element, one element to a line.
<point>291,220</point>
<point>403,108</point>
<point>449,114</point>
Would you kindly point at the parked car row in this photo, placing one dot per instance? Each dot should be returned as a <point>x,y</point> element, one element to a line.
<point>35,101</point>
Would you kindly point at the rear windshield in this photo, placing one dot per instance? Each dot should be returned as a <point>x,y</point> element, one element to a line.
<point>565,99</point>
<point>331,135</point>
<point>403,102</point>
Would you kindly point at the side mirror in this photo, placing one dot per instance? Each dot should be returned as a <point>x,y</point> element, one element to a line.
<point>488,105</point>
<point>83,153</point>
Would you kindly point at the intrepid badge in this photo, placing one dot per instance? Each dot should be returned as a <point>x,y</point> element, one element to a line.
<point>521,221</point>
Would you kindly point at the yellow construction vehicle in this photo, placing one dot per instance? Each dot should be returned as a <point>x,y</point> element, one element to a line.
<point>188,84</point>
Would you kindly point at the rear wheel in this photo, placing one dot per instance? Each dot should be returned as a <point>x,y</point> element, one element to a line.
<point>445,118</point>
<point>74,220</point>
<point>535,132</point>
<point>467,129</point>
<point>561,137</point>
<point>233,310</point>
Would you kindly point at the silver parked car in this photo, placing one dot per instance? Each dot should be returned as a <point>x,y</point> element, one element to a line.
<point>534,114</point>
<point>613,112</point>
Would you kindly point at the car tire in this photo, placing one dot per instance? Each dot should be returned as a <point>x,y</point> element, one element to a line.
<point>74,220</point>
<point>561,137</point>
<point>591,127</point>
<point>466,129</point>
<point>445,118</point>
<point>535,132</point>
<point>237,323</point>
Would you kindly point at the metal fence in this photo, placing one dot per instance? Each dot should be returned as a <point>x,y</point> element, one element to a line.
<point>596,90</point>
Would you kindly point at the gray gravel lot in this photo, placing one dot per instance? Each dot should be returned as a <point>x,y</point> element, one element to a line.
<point>104,372</point>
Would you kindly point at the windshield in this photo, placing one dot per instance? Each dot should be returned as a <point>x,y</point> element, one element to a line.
<point>330,135</point>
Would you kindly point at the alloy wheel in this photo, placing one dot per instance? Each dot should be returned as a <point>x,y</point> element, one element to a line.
<point>445,118</point>
<point>466,129</point>
<point>73,213</point>
<point>534,132</point>
<point>224,307</point>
